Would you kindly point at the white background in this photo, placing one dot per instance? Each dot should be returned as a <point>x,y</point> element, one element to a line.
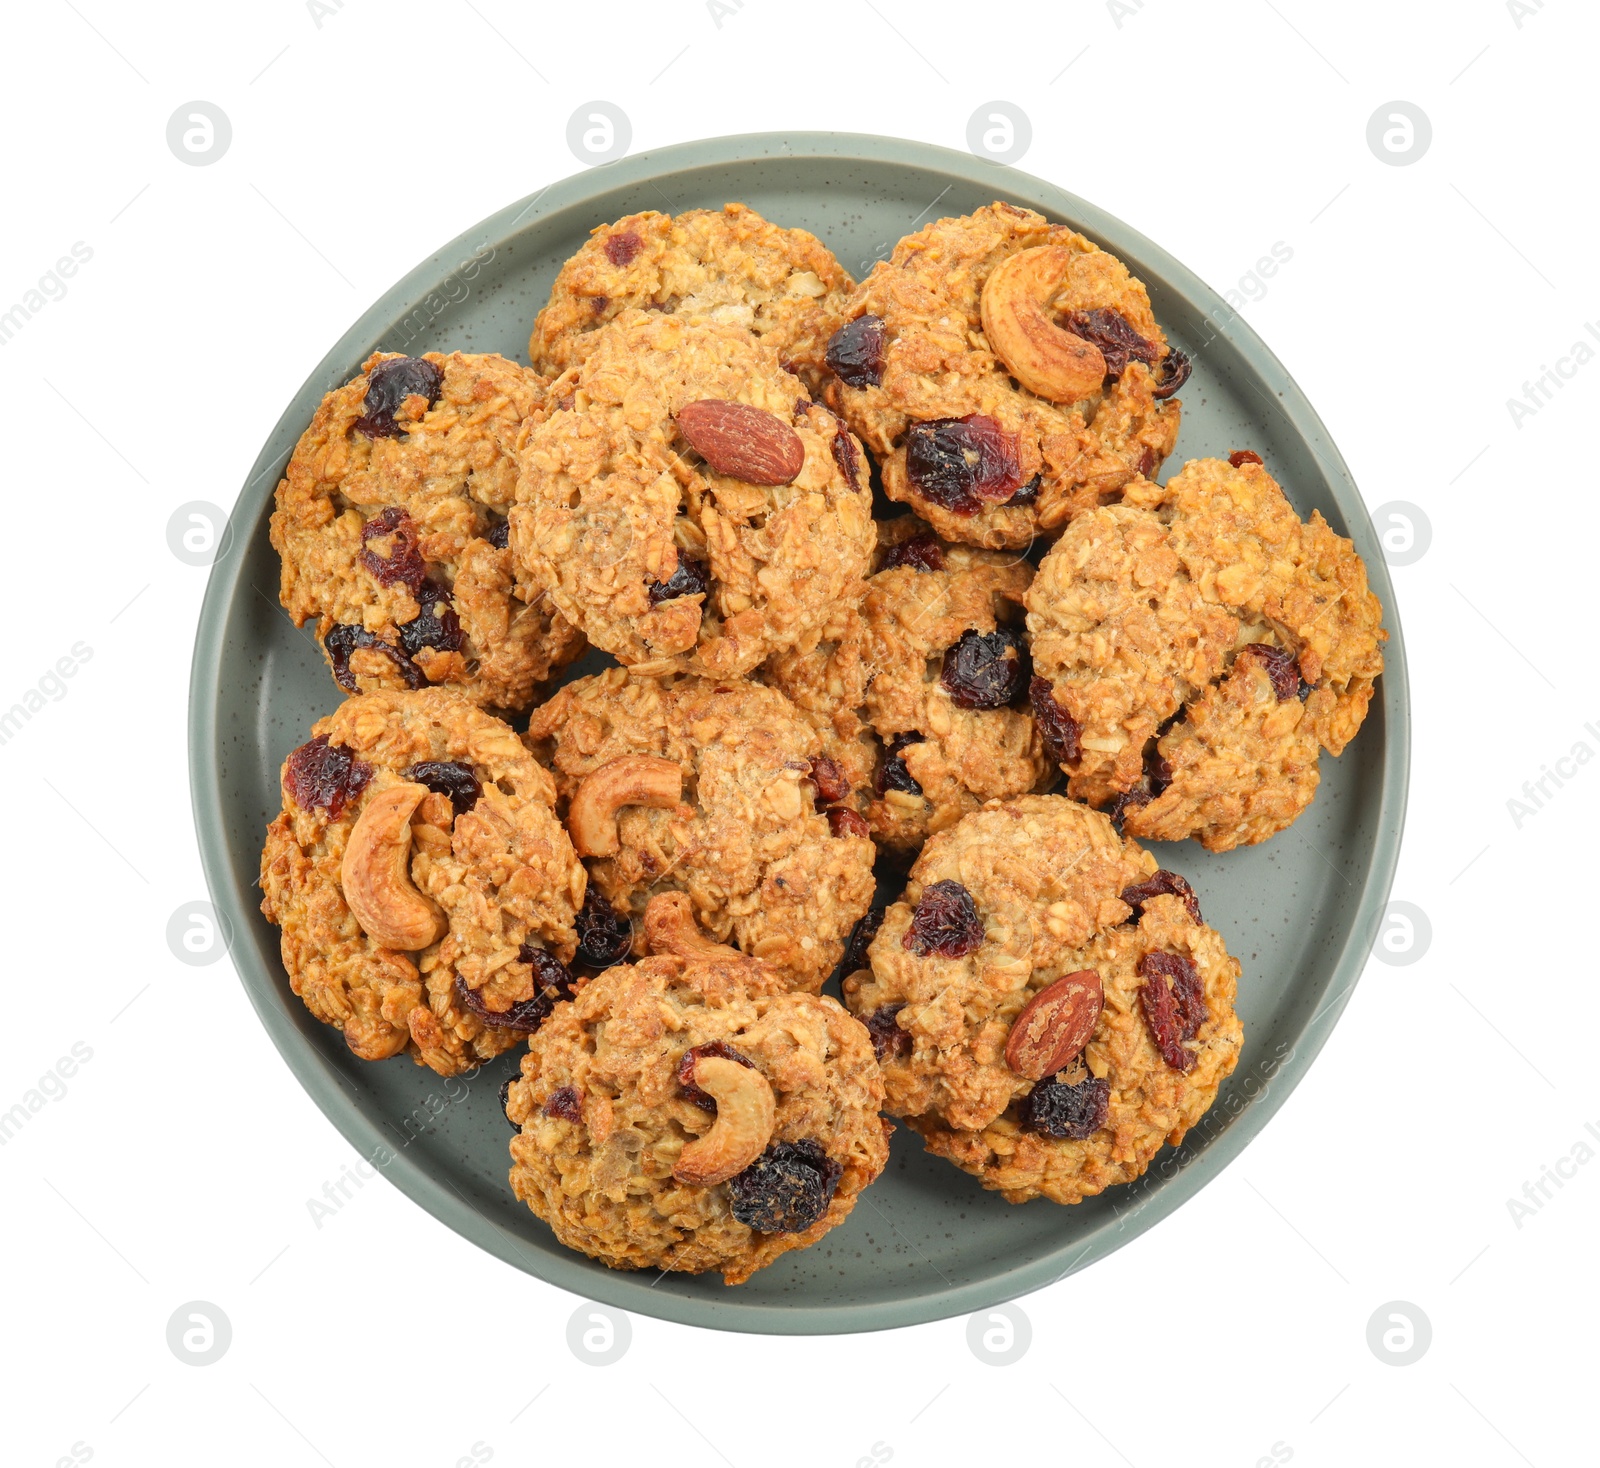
<point>178,1163</point>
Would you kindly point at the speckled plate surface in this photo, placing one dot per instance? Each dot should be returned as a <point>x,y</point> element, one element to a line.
<point>1300,911</point>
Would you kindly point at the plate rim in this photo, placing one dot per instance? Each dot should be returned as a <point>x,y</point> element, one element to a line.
<point>628,1290</point>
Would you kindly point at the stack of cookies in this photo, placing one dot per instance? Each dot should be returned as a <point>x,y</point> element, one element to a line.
<point>882,593</point>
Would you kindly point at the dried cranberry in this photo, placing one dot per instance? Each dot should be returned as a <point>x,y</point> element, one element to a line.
<point>1029,492</point>
<point>833,785</point>
<point>945,923</point>
<point>1056,1109</point>
<point>888,1038</point>
<point>985,670</point>
<point>1280,666</point>
<point>1173,1014</point>
<point>1240,457</point>
<point>719,1048</point>
<point>505,1100</point>
<point>325,776</point>
<point>598,304</point>
<point>435,626</point>
<point>1156,777</point>
<point>345,638</point>
<point>404,562</point>
<point>552,982</point>
<point>623,246</point>
<point>448,777</point>
<point>692,578</point>
<point>391,383</point>
<point>1163,884</point>
<point>786,1190</point>
<point>846,457</point>
<point>605,936</point>
<point>855,352</point>
<point>855,956</point>
<point>565,1103</point>
<point>500,534</point>
<point>1057,727</point>
<point>892,773</point>
<point>1113,334</point>
<point>842,821</point>
<point>922,552</point>
<point>959,463</point>
<point>1178,368</point>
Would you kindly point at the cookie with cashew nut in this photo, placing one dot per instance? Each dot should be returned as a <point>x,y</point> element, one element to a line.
<point>686,504</point>
<point>1195,647</point>
<point>1007,373</point>
<point>728,265</point>
<point>391,522</point>
<point>688,1112</point>
<point>426,892</point>
<point>1047,1005</point>
<point>926,686</point>
<point>722,791</point>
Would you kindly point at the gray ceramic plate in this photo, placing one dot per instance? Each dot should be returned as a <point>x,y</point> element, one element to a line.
<point>1300,912</point>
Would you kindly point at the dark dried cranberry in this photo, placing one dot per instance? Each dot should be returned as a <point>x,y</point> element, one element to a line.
<point>448,777</point>
<point>598,304</point>
<point>391,383</point>
<point>1029,492</point>
<point>552,983</point>
<point>500,534</point>
<point>922,552</point>
<point>1113,333</point>
<point>842,821</point>
<point>985,670</point>
<point>1057,727</point>
<point>435,626</point>
<point>1178,367</point>
<point>505,1100</point>
<point>945,923</point>
<point>722,1050</point>
<point>1056,1109</point>
<point>855,956</point>
<point>345,638</point>
<point>1163,884</point>
<point>692,578</point>
<point>1280,665</point>
<point>1240,457</point>
<point>1156,777</point>
<point>325,776</point>
<point>1173,1014</point>
<point>833,785</point>
<point>404,562</point>
<point>892,773</point>
<point>959,463</point>
<point>623,246</point>
<point>605,936</point>
<point>855,352</point>
<point>565,1103</point>
<point>846,457</point>
<point>887,1037</point>
<point>786,1190</point>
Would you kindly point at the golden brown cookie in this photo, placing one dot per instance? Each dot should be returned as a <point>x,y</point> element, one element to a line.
<point>689,1113</point>
<point>391,524</point>
<point>425,889</point>
<point>686,504</point>
<point>727,265</point>
<point>1007,373</point>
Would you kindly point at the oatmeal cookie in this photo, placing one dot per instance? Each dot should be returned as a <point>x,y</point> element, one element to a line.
<point>391,524</point>
<point>727,265</point>
<point>1193,647</point>
<point>690,1113</point>
<point>686,504</point>
<point>425,889</point>
<point>1007,373</point>
<point>1041,980</point>
<point>720,790</point>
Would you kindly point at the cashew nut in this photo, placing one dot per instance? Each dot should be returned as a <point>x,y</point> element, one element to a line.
<point>376,874</point>
<point>632,779</point>
<point>669,927</point>
<point>1043,356</point>
<point>746,1112</point>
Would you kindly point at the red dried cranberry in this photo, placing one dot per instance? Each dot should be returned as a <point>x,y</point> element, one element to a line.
<point>391,383</point>
<point>985,670</point>
<point>1173,1014</point>
<point>1029,493</point>
<point>623,246</point>
<point>846,457</point>
<point>922,552</point>
<point>325,776</point>
<point>435,626</point>
<point>565,1103</point>
<point>692,578</point>
<point>723,1051</point>
<point>786,1190</point>
<point>552,982</point>
<point>345,638</point>
<point>855,956</point>
<point>1280,666</point>
<point>404,562</point>
<point>842,821</point>
<point>1163,884</point>
<point>888,1039</point>
<point>892,773</point>
<point>945,923</point>
<point>959,463</point>
<point>1177,369</point>
<point>833,785</point>
<point>1055,1109</point>
<point>605,936</point>
<point>855,352</point>
<point>1113,333</point>
<point>1057,727</point>
<point>1240,457</point>
<point>500,534</point>
<point>448,777</point>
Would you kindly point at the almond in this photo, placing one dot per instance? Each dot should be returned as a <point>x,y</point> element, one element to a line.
<point>742,442</point>
<point>1055,1025</point>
